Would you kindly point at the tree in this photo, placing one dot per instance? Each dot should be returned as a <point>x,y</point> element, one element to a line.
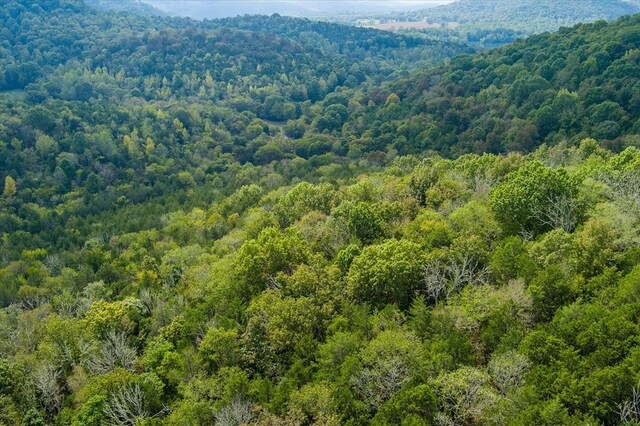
<point>46,146</point>
<point>363,219</point>
<point>422,179</point>
<point>466,394</point>
<point>448,270</point>
<point>390,272</point>
<point>561,211</point>
<point>9,187</point>
<point>392,99</point>
<point>276,326</point>
<point>535,199</point>
<point>508,370</point>
<point>388,363</point>
<point>45,382</point>
<point>238,412</point>
<point>412,406</point>
<point>314,404</point>
<point>629,409</point>
<point>274,251</point>
<point>127,406</point>
<point>550,289</point>
<point>220,348</point>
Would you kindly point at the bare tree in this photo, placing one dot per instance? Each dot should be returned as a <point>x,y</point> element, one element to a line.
<point>442,419</point>
<point>67,307</point>
<point>127,406</point>
<point>33,300</point>
<point>67,353</point>
<point>625,186</point>
<point>465,395</point>
<point>526,235</point>
<point>560,212</point>
<point>148,299</point>
<point>29,330</point>
<point>113,352</point>
<point>435,279</point>
<point>464,270</point>
<point>381,381</point>
<point>443,278</point>
<point>54,264</point>
<point>629,187</point>
<point>238,412</point>
<point>45,381</point>
<point>482,184</point>
<point>508,370</point>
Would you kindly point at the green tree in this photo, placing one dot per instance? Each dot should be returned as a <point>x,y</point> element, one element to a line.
<point>413,406</point>
<point>9,187</point>
<point>220,348</point>
<point>422,179</point>
<point>390,272</point>
<point>363,219</point>
<point>274,251</point>
<point>527,201</point>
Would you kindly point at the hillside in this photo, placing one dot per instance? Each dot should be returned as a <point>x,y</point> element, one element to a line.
<point>132,6</point>
<point>215,9</point>
<point>98,100</point>
<point>491,22</point>
<point>580,82</point>
<point>244,222</point>
<point>98,40</point>
<point>528,16</point>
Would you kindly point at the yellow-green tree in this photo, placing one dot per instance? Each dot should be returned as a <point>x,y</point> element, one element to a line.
<point>9,187</point>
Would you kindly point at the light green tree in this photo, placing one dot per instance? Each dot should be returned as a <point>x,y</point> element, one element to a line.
<point>386,273</point>
<point>9,187</point>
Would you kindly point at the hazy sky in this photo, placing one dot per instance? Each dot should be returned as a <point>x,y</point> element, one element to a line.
<point>224,8</point>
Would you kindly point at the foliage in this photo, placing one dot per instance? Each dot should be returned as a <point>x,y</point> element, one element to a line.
<point>171,255</point>
<point>546,89</point>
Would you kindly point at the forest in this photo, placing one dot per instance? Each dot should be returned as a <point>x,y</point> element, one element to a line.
<point>566,86</point>
<point>132,6</point>
<point>276,221</point>
<point>495,22</point>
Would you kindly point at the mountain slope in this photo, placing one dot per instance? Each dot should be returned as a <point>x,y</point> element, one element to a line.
<point>133,6</point>
<point>528,16</point>
<point>79,34</point>
<point>172,251</point>
<point>214,9</point>
<point>550,88</point>
<point>94,102</point>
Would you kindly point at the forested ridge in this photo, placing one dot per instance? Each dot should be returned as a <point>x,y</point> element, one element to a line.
<point>577,83</point>
<point>502,21</point>
<point>242,222</point>
<point>133,6</point>
<point>105,110</point>
<point>527,16</point>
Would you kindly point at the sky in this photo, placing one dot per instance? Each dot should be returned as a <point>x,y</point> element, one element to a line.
<point>200,9</point>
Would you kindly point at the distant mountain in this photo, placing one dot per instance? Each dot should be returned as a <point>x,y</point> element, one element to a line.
<point>133,6</point>
<point>210,9</point>
<point>529,16</point>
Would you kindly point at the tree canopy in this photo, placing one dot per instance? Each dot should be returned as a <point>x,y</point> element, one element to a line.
<point>243,222</point>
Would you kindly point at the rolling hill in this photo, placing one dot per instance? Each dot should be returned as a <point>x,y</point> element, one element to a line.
<point>528,16</point>
<point>132,6</point>
<point>246,221</point>
<point>549,88</point>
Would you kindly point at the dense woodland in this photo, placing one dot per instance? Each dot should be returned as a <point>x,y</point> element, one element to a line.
<point>132,6</point>
<point>576,83</point>
<point>242,222</point>
<point>491,22</point>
